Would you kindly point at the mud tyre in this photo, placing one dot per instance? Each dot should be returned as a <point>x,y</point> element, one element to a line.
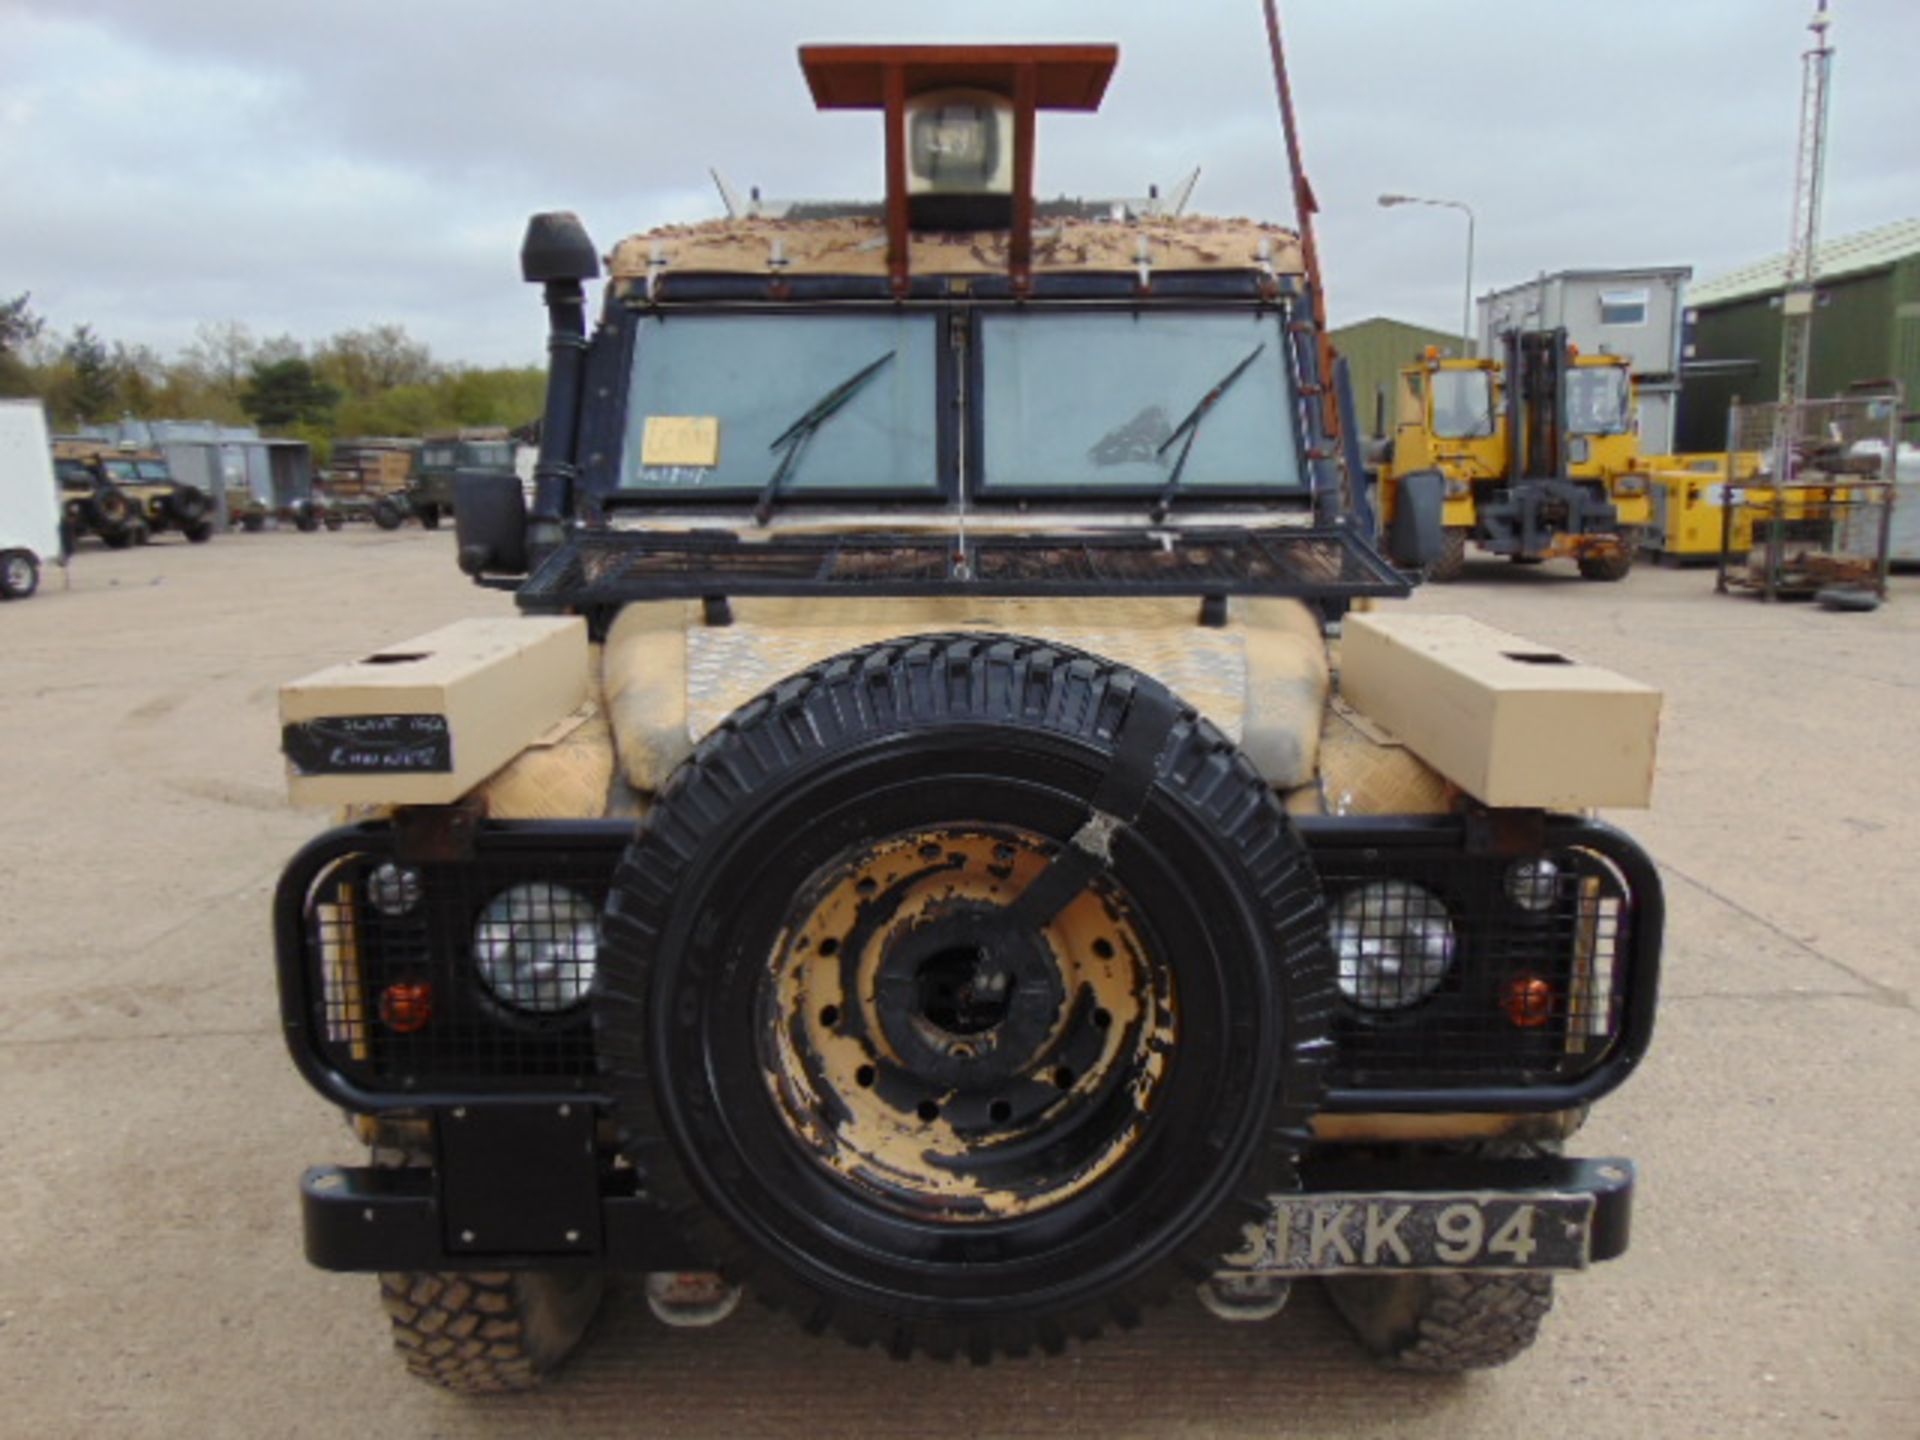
<point>19,574</point>
<point>488,1332</point>
<point>1452,561</point>
<point>906,1054</point>
<point>1607,565</point>
<point>1444,1324</point>
<point>199,532</point>
<point>387,515</point>
<point>107,511</point>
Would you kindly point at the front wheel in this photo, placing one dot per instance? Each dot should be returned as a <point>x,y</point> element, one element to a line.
<point>1452,559</point>
<point>488,1332</point>
<point>1612,564</point>
<point>199,532</point>
<point>19,575</point>
<point>1448,1323</point>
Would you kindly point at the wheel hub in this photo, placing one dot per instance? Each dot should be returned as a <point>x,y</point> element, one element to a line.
<point>927,1049</point>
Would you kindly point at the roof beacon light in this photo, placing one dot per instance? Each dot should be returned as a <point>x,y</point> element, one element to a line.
<point>960,160</point>
<point>959,126</point>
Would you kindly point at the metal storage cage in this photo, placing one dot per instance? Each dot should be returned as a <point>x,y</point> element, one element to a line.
<point>1820,508</point>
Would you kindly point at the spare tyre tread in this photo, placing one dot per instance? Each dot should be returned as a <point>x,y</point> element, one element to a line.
<point>895,685</point>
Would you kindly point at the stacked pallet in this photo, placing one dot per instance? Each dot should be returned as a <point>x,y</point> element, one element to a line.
<point>369,469</point>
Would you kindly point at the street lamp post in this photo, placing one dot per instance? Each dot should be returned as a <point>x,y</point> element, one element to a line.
<point>1466,309</point>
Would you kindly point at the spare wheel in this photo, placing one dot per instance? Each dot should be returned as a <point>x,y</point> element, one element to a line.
<point>980,987</point>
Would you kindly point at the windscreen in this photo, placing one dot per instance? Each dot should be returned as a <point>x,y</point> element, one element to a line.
<point>1599,400</point>
<point>718,401</point>
<point>1104,401</point>
<point>1462,404</point>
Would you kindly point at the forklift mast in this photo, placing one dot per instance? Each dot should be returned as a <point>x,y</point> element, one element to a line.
<point>1536,366</point>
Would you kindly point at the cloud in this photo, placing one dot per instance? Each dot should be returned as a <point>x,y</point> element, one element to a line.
<point>308,168</point>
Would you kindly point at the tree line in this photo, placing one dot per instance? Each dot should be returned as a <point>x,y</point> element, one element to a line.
<point>373,381</point>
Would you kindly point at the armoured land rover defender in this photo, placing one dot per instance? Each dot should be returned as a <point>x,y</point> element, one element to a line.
<point>909,863</point>
<point>127,496</point>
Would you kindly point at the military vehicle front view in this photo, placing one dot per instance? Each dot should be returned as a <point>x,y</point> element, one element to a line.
<point>906,863</point>
<point>442,458</point>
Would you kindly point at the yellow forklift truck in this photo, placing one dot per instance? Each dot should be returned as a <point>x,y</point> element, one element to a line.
<point>1536,451</point>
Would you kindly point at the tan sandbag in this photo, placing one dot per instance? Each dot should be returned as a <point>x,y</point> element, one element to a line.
<point>565,775</point>
<point>670,679</point>
<point>644,680</point>
<point>857,245</point>
<point>1363,771</point>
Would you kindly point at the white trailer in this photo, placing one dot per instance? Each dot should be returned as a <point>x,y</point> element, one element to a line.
<point>29,500</point>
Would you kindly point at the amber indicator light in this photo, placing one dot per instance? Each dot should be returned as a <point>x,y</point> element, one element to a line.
<point>405,1008</point>
<point>1528,1001</point>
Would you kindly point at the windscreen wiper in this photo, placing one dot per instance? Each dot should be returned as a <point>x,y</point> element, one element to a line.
<point>795,437</point>
<point>1190,427</point>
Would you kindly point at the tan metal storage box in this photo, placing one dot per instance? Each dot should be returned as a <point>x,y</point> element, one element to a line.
<point>424,722</point>
<point>1510,722</point>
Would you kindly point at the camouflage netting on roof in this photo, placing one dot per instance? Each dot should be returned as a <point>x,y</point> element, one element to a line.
<point>859,247</point>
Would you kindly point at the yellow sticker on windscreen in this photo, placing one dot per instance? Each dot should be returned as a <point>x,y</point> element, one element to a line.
<point>681,440</point>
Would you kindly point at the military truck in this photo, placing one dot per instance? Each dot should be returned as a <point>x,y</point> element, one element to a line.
<point>442,457</point>
<point>909,860</point>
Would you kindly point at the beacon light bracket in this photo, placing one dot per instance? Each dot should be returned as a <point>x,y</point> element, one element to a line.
<point>959,126</point>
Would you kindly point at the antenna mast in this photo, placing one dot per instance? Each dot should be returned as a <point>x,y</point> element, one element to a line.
<point>1305,208</point>
<point>1796,301</point>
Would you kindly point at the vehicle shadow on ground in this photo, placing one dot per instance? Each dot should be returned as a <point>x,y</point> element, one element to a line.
<point>1498,570</point>
<point>1182,1372</point>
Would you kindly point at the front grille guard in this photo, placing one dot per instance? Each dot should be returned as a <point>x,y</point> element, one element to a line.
<point>1588,995</point>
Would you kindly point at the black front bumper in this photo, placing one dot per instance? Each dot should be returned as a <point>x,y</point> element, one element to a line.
<point>1526,516</point>
<point>360,1219</point>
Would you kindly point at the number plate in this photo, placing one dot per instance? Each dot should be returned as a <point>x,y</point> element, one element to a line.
<point>1331,1234</point>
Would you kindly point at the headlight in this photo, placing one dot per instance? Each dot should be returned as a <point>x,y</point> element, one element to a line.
<point>1533,884</point>
<point>537,946</point>
<point>1393,943</point>
<point>393,889</point>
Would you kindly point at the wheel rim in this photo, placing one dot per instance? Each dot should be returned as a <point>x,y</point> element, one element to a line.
<point>930,1054</point>
<point>19,572</point>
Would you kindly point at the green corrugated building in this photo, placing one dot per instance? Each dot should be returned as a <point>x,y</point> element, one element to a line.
<point>1376,351</point>
<point>1866,328</point>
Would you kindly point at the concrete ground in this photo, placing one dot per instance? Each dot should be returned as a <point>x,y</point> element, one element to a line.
<point>151,1281</point>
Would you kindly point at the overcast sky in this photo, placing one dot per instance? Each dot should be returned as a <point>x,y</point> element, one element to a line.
<point>308,168</point>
